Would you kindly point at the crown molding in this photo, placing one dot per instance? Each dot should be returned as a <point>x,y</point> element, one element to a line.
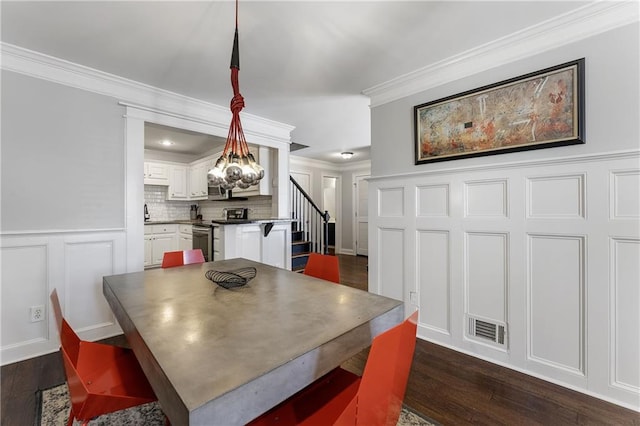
<point>587,21</point>
<point>325,165</point>
<point>56,70</point>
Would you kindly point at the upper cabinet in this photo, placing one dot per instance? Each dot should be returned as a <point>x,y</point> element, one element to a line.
<point>198,189</point>
<point>178,189</point>
<point>263,157</point>
<point>156,173</point>
<point>188,182</point>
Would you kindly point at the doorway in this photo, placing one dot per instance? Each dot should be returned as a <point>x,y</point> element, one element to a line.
<point>332,203</point>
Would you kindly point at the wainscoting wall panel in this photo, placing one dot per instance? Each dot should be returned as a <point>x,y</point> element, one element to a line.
<point>625,316</point>
<point>486,275</point>
<point>86,262</point>
<point>556,303</point>
<point>549,249</point>
<point>486,199</point>
<point>391,248</point>
<point>433,279</point>
<point>26,264</point>
<point>74,263</point>
<point>433,201</point>
<point>391,202</point>
<point>626,191</point>
<point>555,197</point>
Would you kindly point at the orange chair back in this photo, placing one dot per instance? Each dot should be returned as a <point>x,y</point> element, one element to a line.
<point>69,340</point>
<point>101,378</point>
<point>172,258</point>
<point>193,256</point>
<point>323,266</point>
<point>385,376</point>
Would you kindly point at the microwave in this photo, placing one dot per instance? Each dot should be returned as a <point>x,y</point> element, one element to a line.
<point>217,193</point>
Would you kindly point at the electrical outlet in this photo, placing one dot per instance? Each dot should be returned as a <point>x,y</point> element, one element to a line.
<point>413,297</point>
<point>37,313</point>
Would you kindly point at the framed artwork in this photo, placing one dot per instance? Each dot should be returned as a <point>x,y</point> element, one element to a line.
<point>542,109</point>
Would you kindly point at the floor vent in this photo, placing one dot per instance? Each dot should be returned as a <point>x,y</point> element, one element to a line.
<point>487,330</point>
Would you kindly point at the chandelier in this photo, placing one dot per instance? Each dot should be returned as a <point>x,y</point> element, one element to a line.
<point>236,167</point>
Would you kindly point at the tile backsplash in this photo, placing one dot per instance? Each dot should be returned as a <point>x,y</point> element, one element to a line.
<point>155,197</point>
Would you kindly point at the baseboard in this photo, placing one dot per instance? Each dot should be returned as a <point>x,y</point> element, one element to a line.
<point>346,251</point>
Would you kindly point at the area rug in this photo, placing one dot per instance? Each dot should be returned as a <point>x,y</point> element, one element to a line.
<point>53,410</point>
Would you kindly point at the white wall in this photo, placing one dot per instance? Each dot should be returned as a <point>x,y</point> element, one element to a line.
<point>544,242</point>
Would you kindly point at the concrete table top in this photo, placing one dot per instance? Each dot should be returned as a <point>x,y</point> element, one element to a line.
<point>223,357</point>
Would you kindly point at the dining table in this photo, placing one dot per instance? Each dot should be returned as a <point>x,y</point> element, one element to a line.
<point>218,356</point>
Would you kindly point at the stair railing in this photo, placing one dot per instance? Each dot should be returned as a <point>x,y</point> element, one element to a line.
<point>309,218</point>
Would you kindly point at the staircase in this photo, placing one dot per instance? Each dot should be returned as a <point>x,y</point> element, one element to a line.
<point>300,248</point>
<point>309,229</point>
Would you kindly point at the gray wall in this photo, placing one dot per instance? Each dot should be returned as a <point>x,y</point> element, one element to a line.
<point>612,105</point>
<point>62,157</point>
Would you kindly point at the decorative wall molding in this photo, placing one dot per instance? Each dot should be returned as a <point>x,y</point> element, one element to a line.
<point>582,269</point>
<point>486,199</point>
<point>33,265</point>
<point>615,155</point>
<point>556,196</point>
<point>623,289</point>
<point>587,21</point>
<point>49,68</point>
<point>556,320</point>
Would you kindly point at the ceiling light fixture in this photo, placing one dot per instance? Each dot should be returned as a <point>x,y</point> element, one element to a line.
<point>346,155</point>
<point>166,142</point>
<point>236,166</point>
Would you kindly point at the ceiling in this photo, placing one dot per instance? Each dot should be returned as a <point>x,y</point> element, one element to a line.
<point>302,63</point>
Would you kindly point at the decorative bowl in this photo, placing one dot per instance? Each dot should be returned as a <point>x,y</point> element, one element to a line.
<point>231,279</point>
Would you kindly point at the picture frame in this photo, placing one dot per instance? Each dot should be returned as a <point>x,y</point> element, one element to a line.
<point>541,109</point>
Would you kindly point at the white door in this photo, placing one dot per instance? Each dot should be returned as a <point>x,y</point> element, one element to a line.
<point>361,208</point>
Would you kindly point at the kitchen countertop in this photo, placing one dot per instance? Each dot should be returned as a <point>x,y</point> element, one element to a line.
<point>217,221</point>
<point>179,222</point>
<point>247,221</point>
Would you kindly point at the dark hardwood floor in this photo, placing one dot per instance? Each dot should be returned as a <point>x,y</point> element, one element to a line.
<point>444,385</point>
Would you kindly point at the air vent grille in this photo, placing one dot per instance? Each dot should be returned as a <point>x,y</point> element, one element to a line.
<point>487,330</point>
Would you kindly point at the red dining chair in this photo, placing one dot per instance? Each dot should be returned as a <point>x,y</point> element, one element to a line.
<point>342,398</point>
<point>193,256</point>
<point>101,378</point>
<point>323,266</point>
<point>172,258</point>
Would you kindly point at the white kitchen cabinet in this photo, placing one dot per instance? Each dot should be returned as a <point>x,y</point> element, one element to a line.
<point>198,189</point>
<point>185,237</point>
<point>159,239</point>
<point>177,183</point>
<point>148,250</point>
<point>248,241</point>
<point>262,156</point>
<point>217,245</point>
<point>156,173</point>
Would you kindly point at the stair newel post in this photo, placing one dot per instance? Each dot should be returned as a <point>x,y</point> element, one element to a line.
<point>325,232</point>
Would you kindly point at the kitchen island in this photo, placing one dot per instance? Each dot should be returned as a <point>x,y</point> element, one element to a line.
<point>262,240</point>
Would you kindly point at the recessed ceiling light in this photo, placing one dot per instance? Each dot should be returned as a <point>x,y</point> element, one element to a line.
<point>346,155</point>
<point>166,142</point>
